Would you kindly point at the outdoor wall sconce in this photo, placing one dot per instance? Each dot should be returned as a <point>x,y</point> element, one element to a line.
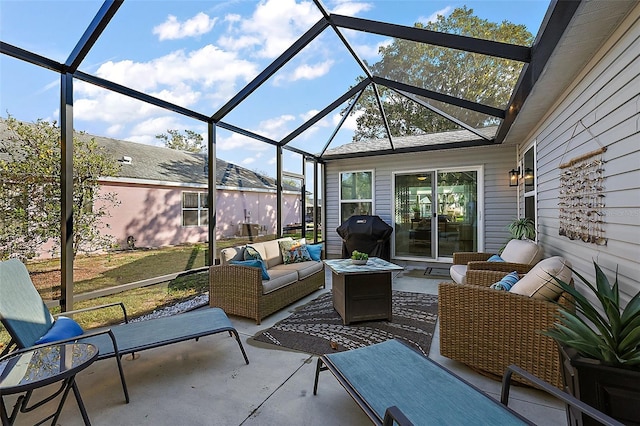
<point>513,176</point>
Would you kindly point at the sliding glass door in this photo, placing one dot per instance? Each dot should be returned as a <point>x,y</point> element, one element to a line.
<point>436,213</point>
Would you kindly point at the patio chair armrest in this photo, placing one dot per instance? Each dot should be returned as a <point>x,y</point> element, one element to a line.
<point>553,391</point>
<point>93,308</point>
<point>464,257</point>
<point>484,278</point>
<point>393,415</point>
<point>521,268</point>
<point>236,289</point>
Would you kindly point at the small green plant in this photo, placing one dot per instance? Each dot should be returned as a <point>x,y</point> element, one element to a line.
<point>613,338</point>
<point>357,255</point>
<point>522,228</point>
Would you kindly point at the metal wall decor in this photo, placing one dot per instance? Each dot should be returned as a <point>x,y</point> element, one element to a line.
<point>582,198</point>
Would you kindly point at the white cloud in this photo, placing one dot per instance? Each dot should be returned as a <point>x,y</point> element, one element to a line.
<point>155,126</point>
<point>172,29</point>
<point>434,16</point>
<point>304,72</point>
<point>309,114</point>
<point>208,65</point>
<point>275,24</point>
<point>275,128</point>
<point>369,51</point>
<point>114,129</point>
<point>238,142</point>
<point>309,72</point>
<point>180,77</point>
<point>350,8</point>
<point>350,122</point>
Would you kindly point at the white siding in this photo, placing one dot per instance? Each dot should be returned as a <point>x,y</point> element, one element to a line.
<point>500,200</point>
<point>606,98</point>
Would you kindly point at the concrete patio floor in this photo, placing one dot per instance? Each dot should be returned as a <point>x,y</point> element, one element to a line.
<point>208,383</point>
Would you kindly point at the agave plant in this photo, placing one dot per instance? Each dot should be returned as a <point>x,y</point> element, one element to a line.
<point>612,337</point>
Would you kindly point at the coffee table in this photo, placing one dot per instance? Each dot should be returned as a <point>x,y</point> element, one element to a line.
<point>30,369</point>
<point>362,292</point>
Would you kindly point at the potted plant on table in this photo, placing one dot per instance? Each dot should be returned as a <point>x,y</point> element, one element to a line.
<point>600,349</point>
<point>359,258</point>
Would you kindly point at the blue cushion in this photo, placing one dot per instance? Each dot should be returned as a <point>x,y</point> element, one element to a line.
<point>315,251</point>
<point>506,282</point>
<point>495,258</point>
<point>63,328</point>
<point>254,264</point>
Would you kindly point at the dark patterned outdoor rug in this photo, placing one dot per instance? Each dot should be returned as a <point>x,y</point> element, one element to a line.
<point>316,328</point>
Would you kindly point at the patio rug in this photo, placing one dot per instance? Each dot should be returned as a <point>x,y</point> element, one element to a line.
<point>316,327</point>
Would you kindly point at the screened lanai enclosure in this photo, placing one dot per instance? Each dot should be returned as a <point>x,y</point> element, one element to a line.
<point>275,88</point>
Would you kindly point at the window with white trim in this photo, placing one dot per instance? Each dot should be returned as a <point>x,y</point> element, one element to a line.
<point>529,169</point>
<point>356,194</point>
<point>195,209</point>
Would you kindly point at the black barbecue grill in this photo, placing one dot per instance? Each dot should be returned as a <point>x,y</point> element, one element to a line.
<point>367,234</point>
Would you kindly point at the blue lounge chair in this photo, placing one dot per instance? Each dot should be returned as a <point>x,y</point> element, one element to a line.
<point>27,319</point>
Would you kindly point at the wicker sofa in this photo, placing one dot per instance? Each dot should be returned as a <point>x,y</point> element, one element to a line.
<point>489,329</point>
<point>240,290</point>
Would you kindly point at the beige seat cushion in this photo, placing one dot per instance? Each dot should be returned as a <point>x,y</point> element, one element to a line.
<point>458,273</point>
<point>522,251</point>
<point>304,269</point>
<point>538,283</point>
<point>279,278</point>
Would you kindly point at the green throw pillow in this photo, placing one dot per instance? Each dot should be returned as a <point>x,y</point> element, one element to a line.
<point>251,253</point>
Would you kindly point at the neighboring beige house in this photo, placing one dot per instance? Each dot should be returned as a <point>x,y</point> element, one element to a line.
<point>162,197</point>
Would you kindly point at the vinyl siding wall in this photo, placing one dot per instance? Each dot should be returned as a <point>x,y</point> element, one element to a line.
<point>606,98</point>
<point>500,200</point>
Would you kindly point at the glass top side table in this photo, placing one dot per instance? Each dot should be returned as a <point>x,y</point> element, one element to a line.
<point>33,368</point>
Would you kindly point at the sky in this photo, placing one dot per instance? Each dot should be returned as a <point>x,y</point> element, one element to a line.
<point>198,54</point>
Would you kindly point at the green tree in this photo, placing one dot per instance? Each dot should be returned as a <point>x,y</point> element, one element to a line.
<point>189,141</point>
<point>30,194</point>
<point>475,77</point>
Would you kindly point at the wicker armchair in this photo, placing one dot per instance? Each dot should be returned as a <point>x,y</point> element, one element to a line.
<point>519,255</point>
<point>489,329</point>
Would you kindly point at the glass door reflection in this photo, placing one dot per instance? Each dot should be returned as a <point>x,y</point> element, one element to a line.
<point>435,213</point>
<point>414,231</point>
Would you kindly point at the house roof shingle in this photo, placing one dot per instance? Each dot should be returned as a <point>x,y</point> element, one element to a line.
<point>165,165</point>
